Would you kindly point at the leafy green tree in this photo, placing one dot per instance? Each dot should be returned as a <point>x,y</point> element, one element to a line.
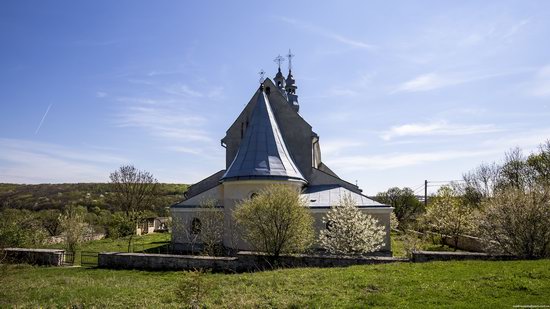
<point>540,164</point>
<point>50,221</point>
<point>119,225</point>
<point>276,221</point>
<point>20,228</point>
<point>406,205</point>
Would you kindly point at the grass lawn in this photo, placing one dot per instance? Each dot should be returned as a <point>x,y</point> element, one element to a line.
<point>149,242</point>
<point>398,245</point>
<point>466,284</point>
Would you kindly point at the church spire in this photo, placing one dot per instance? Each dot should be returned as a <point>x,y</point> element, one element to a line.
<point>279,78</point>
<point>290,84</point>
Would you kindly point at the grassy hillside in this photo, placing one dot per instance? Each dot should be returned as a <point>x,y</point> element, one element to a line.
<point>56,196</point>
<point>468,284</point>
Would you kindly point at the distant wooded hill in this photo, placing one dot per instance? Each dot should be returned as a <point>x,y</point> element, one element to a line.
<point>90,195</point>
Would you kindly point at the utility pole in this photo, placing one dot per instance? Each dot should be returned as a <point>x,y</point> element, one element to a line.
<point>425,193</point>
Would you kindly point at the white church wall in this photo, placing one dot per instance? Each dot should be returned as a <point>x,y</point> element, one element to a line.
<point>215,193</point>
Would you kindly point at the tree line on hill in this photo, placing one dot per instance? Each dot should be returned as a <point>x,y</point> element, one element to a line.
<point>90,195</point>
<point>33,214</point>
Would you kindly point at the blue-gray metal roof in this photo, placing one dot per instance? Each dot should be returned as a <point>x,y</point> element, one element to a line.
<point>262,152</point>
<point>322,196</point>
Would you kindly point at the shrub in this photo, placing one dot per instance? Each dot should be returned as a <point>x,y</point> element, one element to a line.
<point>275,221</point>
<point>517,222</point>
<point>349,231</point>
<point>73,225</point>
<point>448,215</point>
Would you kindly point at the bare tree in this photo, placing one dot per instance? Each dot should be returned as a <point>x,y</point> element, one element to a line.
<point>134,191</point>
<point>483,179</point>
<point>211,230</point>
<point>73,225</point>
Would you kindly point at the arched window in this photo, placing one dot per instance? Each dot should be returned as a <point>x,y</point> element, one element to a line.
<point>329,226</point>
<point>196,226</point>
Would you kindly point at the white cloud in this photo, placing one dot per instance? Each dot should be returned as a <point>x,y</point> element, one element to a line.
<point>164,120</point>
<point>338,146</point>
<point>426,82</point>
<point>329,34</point>
<point>396,160</point>
<point>540,86</point>
<point>437,128</point>
<point>515,29</point>
<point>433,81</point>
<point>494,148</point>
<point>183,90</point>
<point>100,94</point>
<point>35,162</point>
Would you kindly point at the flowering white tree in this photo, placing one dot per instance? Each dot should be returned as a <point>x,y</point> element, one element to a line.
<point>349,231</point>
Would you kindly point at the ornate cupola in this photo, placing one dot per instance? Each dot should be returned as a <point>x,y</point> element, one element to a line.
<point>290,85</point>
<point>279,78</point>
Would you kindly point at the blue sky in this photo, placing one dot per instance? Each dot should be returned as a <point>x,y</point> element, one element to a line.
<point>398,91</point>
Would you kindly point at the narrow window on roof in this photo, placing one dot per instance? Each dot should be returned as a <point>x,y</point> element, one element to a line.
<point>242,129</point>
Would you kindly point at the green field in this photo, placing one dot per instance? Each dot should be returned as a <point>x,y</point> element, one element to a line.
<point>470,284</point>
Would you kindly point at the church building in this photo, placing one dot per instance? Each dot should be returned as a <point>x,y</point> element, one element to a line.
<point>270,143</point>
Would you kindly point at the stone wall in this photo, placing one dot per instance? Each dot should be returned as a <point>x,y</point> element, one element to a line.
<point>118,260</point>
<point>48,257</point>
<point>244,261</point>
<point>428,256</point>
<point>466,243</point>
<point>251,261</point>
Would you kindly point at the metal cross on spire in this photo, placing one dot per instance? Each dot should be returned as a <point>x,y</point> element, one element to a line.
<point>290,56</point>
<point>279,59</point>
<point>262,73</point>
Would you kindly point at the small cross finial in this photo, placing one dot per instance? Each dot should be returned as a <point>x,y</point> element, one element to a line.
<point>290,56</point>
<point>262,73</point>
<point>279,59</point>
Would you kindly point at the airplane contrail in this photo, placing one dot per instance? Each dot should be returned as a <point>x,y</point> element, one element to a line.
<point>43,117</point>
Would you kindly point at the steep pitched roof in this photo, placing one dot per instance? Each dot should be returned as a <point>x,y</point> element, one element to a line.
<point>263,153</point>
